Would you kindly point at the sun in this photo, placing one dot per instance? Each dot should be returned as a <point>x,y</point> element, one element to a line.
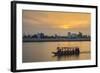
<point>65,26</point>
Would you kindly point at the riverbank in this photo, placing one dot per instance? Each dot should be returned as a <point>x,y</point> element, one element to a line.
<point>54,40</point>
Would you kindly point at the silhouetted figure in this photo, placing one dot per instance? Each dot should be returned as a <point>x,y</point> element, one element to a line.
<point>65,51</point>
<point>58,49</point>
<point>72,51</point>
<point>68,51</point>
<point>77,51</point>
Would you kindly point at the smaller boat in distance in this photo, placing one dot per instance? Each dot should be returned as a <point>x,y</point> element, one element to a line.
<point>67,51</point>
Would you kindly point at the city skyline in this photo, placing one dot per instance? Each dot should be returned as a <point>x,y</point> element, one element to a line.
<point>55,22</point>
<point>67,34</point>
<point>41,37</point>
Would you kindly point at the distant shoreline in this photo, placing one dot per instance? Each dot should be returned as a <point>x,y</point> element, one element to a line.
<point>56,40</point>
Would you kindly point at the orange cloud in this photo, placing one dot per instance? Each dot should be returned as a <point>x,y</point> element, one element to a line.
<point>56,20</point>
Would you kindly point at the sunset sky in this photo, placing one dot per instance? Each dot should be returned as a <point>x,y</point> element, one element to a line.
<point>51,23</point>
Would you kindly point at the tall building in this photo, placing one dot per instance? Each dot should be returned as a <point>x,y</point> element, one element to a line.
<point>69,34</point>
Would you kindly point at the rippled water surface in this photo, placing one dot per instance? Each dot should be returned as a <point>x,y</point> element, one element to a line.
<point>42,51</point>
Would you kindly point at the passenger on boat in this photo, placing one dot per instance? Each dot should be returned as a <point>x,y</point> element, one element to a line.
<point>58,50</point>
<point>65,51</point>
<point>77,51</point>
<point>73,51</point>
<point>62,51</point>
<point>68,51</point>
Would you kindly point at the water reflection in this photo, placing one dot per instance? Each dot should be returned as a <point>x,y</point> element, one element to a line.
<point>42,51</point>
<point>66,57</point>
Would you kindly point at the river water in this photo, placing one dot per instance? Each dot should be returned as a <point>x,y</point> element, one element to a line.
<point>42,51</point>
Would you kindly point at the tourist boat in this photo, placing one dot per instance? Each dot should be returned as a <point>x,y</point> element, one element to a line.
<point>67,51</point>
